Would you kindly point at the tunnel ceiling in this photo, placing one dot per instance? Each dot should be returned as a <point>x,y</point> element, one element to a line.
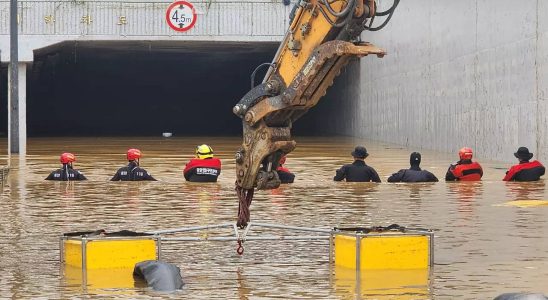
<point>139,88</point>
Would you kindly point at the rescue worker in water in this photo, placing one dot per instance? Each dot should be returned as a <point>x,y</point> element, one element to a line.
<point>66,172</point>
<point>132,172</point>
<point>525,170</point>
<point>283,173</point>
<point>464,169</point>
<point>413,174</point>
<point>358,171</point>
<point>204,168</point>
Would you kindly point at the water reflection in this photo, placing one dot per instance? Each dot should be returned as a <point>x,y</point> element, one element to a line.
<point>382,284</point>
<point>526,190</point>
<point>243,290</point>
<point>481,248</point>
<point>467,194</point>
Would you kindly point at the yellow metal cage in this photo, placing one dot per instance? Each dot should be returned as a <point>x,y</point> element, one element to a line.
<point>105,262</point>
<point>383,250</point>
<point>382,264</point>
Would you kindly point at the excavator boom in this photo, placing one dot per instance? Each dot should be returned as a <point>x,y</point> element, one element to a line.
<point>322,38</point>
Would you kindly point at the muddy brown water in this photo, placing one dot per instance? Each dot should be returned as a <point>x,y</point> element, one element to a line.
<point>483,246</point>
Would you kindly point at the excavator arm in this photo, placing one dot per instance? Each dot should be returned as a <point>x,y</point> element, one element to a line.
<point>322,38</point>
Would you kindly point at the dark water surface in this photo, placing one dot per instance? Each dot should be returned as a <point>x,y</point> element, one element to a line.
<point>484,245</point>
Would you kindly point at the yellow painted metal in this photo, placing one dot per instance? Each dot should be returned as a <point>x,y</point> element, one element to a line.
<point>120,278</point>
<point>345,251</point>
<point>73,253</point>
<point>110,253</point>
<point>289,63</point>
<point>387,251</point>
<point>382,284</point>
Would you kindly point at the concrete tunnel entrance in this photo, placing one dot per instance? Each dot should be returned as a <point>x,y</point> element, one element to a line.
<point>140,89</point>
<point>146,88</point>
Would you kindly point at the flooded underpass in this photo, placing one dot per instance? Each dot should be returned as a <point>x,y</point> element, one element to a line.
<point>140,88</point>
<point>484,245</point>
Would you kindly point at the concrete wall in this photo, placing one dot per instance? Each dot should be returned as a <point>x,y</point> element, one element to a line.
<point>43,23</point>
<point>470,72</point>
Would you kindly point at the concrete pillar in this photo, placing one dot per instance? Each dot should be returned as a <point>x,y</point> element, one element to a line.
<point>17,114</point>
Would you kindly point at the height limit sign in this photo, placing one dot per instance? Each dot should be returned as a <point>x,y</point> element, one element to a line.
<point>181,16</point>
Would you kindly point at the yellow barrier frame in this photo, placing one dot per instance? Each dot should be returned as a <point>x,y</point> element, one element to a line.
<point>359,236</point>
<point>84,240</point>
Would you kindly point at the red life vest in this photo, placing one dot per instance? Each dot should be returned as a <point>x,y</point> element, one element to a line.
<point>213,163</point>
<point>283,169</point>
<point>529,171</point>
<point>468,172</point>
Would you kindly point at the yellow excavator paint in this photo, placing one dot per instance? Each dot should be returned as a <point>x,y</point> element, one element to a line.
<point>291,64</point>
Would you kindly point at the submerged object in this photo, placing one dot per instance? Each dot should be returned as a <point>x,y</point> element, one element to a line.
<point>167,134</point>
<point>159,275</point>
<point>521,296</point>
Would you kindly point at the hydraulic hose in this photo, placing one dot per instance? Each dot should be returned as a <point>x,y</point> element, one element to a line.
<point>389,12</point>
<point>349,7</point>
<point>346,20</point>
<point>257,69</point>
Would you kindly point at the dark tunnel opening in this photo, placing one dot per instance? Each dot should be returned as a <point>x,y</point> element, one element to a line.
<point>145,89</point>
<point>134,90</point>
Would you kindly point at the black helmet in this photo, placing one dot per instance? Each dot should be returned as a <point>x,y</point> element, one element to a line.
<point>415,158</point>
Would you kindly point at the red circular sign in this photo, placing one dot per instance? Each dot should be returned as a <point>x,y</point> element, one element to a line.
<point>181,16</point>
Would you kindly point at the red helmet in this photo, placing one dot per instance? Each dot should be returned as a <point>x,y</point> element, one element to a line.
<point>67,158</point>
<point>282,160</point>
<point>133,154</point>
<point>465,153</point>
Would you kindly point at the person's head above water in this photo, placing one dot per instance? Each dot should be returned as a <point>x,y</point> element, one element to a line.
<point>67,158</point>
<point>359,152</point>
<point>523,154</point>
<point>133,154</point>
<point>415,159</point>
<point>465,153</point>
<point>204,151</point>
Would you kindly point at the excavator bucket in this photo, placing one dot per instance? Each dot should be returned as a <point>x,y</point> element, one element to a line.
<point>267,124</point>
